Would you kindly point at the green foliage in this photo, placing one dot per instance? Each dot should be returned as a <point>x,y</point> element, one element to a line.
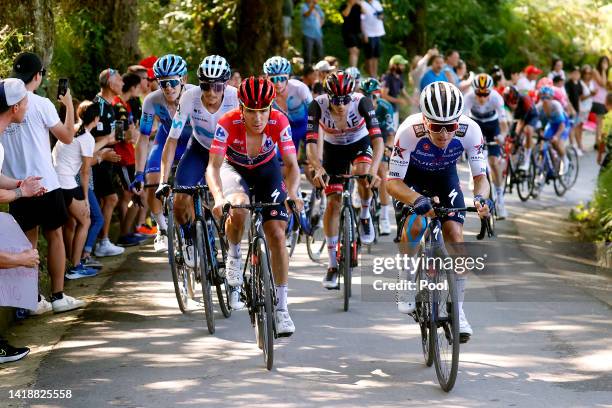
<point>12,42</point>
<point>596,217</point>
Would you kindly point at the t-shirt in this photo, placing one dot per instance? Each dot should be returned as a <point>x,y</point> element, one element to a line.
<point>136,108</point>
<point>371,25</point>
<point>68,158</point>
<point>27,147</point>
<point>574,92</point>
<point>394,83</point>
<point>587,103</point>
<point>351,23</point>
<point>524,85</point>
<point>124,148</point>
<point>431,77</point>
<point>452,73</point>
<point>1,157</point>
<point>107,117</point>
<point>311,25</point>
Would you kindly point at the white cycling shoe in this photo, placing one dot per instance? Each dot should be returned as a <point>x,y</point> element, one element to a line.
<point>366,230</point>
<point>464,326</point>
<point>188,255</point>
<point>233,270</point>
<point>160,244</point>
<point>385,226</point>
<point>284,324</point>
<point>234,299</point>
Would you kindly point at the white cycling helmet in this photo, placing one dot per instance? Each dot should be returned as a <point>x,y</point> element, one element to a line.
<point>214,68</point>
<point>441,102</point>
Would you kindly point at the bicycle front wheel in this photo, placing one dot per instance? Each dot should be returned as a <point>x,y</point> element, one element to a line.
<point>182,276</point>
<point>524,181</point>
<point>345,259</point>
<point>571,173</point>
<point>264,309</point>
<point>423,317</point>
<point>203,263</point>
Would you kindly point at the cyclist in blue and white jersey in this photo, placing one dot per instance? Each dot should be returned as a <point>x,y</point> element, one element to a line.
<point>170,72</point>
<point>555,122</point>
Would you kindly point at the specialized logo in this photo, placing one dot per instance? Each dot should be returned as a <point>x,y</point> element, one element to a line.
<point>275,195</point>
<point>453,194</point>
<point>436,231</point>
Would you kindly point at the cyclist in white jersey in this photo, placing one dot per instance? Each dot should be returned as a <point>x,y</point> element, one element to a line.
<point>201,107</point>
<point>426,149</point>
<point>486,106</point>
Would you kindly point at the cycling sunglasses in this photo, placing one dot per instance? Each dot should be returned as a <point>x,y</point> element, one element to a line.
<point>277,79</point>
<point>215,86</point>
<point>483,94</point>
<point>173,83</point>
<point>340,100</point>
<point>437,127</point>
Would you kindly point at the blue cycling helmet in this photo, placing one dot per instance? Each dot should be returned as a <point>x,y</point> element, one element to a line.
<point>170,65</point>
<point>355,73</point>
<point>546,92</point>
<point>214,68</point>
<point>277,66</point>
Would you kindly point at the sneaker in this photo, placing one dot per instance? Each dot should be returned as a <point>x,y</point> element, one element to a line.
<point>106,248</point>
<point>233,271</point>
<point>385,227</point>
<point>42,307</point>
<point>91,262</point>
<point>366,230</point>
<point>188,255</point>
<point>161,242</point>
<point>129,240</point>
<point>330,280</point>
<point>284,324</point>
<point>144,229</point>
<point>80,271</point>
<point>465,330</point>
<point>66,303</point>
<point>234,300</point>
<point>9,353</point>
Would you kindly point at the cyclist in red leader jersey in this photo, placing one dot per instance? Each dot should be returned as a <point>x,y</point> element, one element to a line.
<point>242,155</point>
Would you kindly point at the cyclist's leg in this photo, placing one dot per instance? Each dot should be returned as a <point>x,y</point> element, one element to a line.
<point>152,176</point>
<point>190,172</point>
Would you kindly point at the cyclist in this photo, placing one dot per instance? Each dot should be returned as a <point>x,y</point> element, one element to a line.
<point>384,113</point>
<point>242,156</point>
<point>486,106</point>
<point>526,117</point>
<point>170,72</point>
<point>201,106</point>
<point>554,121</point>
<point>348,123</point>
<point>426,149</point>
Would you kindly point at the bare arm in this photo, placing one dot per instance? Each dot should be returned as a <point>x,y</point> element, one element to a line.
<point>213,177</point>
<point>167,158</point>
<point>27,258</point>
<point>64,132</point>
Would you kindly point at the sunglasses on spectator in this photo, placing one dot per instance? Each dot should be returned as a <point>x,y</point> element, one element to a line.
<point>437,127</point>
<point>277,79</point>
<point>483,94</point>
<point>173,83</point>
<point>43,72</point>
<point>340,100</point>
<point>215,86</point>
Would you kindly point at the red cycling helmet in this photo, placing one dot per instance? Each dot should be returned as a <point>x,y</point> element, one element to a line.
<point>339,84</point>
<point>256,93</point>
<point>511,95</point>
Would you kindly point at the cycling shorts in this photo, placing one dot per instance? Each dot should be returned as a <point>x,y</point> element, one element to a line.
<point>490,131</point>
<point>337,159</point>
<point>532,118</point>
<point>551,129</point>
<point>155,154</point>
<point>191,169</point>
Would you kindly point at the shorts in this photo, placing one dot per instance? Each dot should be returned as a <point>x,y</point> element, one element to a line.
<point>73,194</point>
<point>337,159</point>
<point>155,154</point>
<point>599,108</point>
<point>103,179</point>
<point>47,211</point>
<point>532,118</point>
<point>372,49</point>
<point>266,180</point>
<point>125,174</point>
<point>551,129</point>
<point>351,39</point>
<point>444,185</point>
<point>192,166</point>
<point>490,131</point>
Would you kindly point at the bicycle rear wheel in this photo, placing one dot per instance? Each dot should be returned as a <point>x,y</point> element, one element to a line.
<point>444,329</point>
<point>264,307</point>
<point>219,279</point>
<point>422,316</point>
<point>345,259</point>
<point>524,181</point>
<point>203,263</point>
<point>182,276</point>
<point>293,234</point>
<point>315,243</point>
<point>571,173</point>
<point>539,174</point>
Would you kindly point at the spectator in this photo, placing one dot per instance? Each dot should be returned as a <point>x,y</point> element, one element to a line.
<point>465,79</point>
<point>333,61</point>
<point>323,69</point>
<point>527,83</point>
<point>451,59</point>
<point>561,95</point>
<point>393,89</point>
<point>604,153</point>
<point>373,30</point>
<point>600,80</point>
<point>310,77</point>
<point>588,91</point>
<point>351,29</point>
<point>499,79</point>
<point>148,64</point>
<point>297,67</point>
<point>235,80</point>
<point>28,152</point>
<point>435,73</point>
<point>418,67</point>
<point>556,69</point>
<point>110,86</point>
<point>312,21</point>
<point>573,89</point>
<point>287,19</point>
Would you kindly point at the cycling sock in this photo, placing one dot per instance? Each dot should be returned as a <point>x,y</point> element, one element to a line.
<point>527,155</point>
<point>57,296</point>
<point>384,211</point>
<point>365,209</point>
<point>281,296</point>
<point>461,290</point>
<point>234,250</point>
<point>500,193</point>
<point>160,220</point>
<point>332,245</point>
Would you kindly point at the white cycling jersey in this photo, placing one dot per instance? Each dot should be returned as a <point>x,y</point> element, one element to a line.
<point>414,149</point>
<point>492,109</point>
<point>203,122</point>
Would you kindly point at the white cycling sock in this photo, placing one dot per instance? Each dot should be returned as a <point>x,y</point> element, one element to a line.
<point>281,295</point>
<point>234,250</point>
<point>385,210</point>
<point>461,281</point>
<point>527,155</point>
<point>160,220</point>
<point>365,209</point>
<point>332,247</point>
<point>500,193</point>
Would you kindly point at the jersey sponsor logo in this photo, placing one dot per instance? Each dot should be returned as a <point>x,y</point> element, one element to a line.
<point>419,130</point>
<point>426,147</point>
<point>398,151</point>
<point>283,214</point>
<point>286,135</point>
<point>479,148</point>
<point>453,194</point>
<point>220,134</point>
<point>394,174</point>
<point>237,122</point>
<point>273,213</point>
<point>275,194</point>
<point>462,130</point>
<point>176,123</point>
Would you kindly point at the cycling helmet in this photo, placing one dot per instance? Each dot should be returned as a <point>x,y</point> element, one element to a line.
<point>277,66</point>
<point>482,83</point>
<point>511,95</point>
<point>354,72</point>
<point>546,91</point>
<point>170,65</point>
<point>441,102</point>
<point>339,83</point>
<point>256,93</point>
<point>214,68</point>
<point>369,85</point>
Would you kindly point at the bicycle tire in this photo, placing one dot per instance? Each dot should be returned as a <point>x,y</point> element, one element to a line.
<point>558,182</point>
<point>346,256</point>
<point>181,278</point>
<point>203,263</point>
<point>539,177</point>
<point>447,375</point>
<point>422,316</point>
<point>219,280</point>
<point>571,174</point>
<point>524,182</point>
<point>264,310</point>
<point>315,243</point>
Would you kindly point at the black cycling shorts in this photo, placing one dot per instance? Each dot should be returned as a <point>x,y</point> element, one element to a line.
<point>337,159</point>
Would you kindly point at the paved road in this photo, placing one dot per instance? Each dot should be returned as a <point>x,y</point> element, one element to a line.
<point>542,337</point>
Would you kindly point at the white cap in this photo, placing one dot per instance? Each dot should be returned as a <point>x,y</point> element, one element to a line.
<point>323,66</point>
<point>12,90</point>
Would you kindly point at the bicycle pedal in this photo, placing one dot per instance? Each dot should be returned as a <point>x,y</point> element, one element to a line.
<point>283,335</point>
<point>464,338</point>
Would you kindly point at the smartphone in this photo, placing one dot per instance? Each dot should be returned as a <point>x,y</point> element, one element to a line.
<point>62,87</point>
<point>119,135</point>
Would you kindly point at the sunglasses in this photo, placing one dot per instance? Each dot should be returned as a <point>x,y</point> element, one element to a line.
<point>438,127</point>
<point>43,72</point>
<point>215,86</point>
<point>254,109</point>
<point>340,100</point>
<point>277,79</point>
<point>483,94</point>
<point>173,83</point>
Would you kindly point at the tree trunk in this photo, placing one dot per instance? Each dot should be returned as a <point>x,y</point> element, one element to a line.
<point>416,41</point>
